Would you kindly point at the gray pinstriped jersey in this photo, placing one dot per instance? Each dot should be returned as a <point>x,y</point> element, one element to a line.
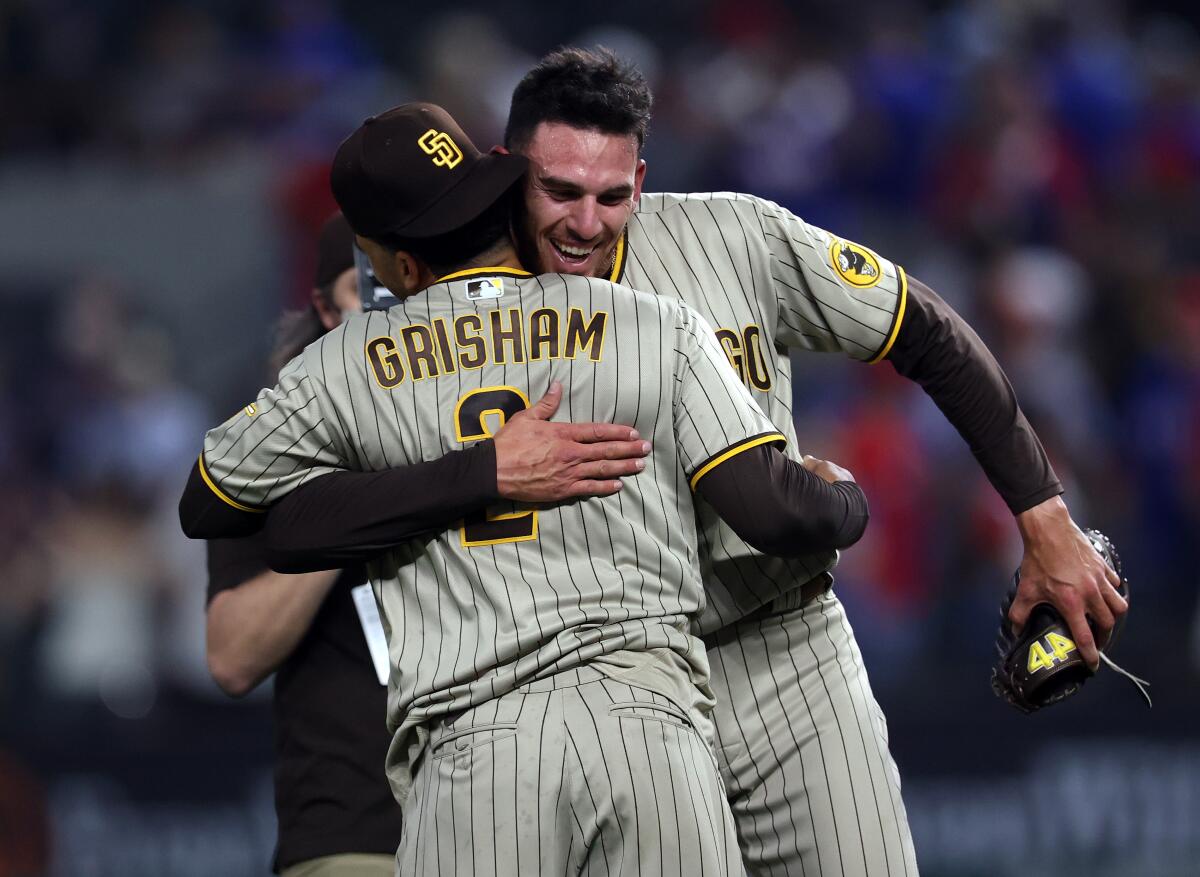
<point>767,281</point>
<point>477,611</point>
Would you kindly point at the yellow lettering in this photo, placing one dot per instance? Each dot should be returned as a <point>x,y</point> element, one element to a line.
<point>756,363</point>
<point>732,346</point>
<point>1061,645</point>
<point>587,336</point>
<point>510,336</point>
<point>443,345</point>
<point>543,334</point>
<point>384,356</point>
<point>1038,659</point>
<point>472,349</point>
<point>418,344</point>
<point>441,146</point>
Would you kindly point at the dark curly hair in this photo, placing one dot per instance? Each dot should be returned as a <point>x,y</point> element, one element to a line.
<point>581,88</point>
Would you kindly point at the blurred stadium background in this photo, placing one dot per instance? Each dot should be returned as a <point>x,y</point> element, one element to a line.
<point>162,177</point>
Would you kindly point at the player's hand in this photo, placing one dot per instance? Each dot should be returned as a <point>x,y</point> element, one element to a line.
<point>539,461</point>
<point>1062,568</point>
<point>830,472</point>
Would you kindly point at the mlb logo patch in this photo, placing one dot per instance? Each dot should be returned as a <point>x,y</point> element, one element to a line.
<point>489,287</point>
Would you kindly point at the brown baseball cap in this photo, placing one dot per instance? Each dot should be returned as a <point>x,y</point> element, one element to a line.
<point>412,172</point>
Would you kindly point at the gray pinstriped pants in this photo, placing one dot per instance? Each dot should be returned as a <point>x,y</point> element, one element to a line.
<point>803,747</point>
<point>574,774</point>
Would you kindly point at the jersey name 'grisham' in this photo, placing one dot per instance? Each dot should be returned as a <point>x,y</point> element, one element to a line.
<point>510,336</point>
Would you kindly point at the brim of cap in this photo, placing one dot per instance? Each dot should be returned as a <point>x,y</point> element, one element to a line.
<point>492,176</point>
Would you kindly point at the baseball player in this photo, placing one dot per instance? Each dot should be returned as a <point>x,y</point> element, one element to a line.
<point>802,742</point>
<point>548,700</point>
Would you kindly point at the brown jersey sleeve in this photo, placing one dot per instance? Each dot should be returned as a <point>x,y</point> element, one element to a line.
<point>936,348</point>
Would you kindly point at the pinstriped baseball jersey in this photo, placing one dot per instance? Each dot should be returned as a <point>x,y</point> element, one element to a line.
<point>520,592</point>
<point>767,281</point>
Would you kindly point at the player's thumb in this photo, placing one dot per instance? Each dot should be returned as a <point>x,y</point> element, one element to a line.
<point>1018,613</point>
<point>544,408</point>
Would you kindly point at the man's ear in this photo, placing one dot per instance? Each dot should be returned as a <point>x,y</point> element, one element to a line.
<point>500,150</point>
<point>639,176</point>
<point>412,274</point>
<point>329,315</point>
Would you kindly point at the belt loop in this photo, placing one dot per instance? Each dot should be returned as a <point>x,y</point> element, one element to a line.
<point>794,599</point>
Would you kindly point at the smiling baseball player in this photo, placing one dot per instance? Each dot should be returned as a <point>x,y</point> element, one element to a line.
<point>548,699</point>
<point>802,743</point>
<point>801,740</point>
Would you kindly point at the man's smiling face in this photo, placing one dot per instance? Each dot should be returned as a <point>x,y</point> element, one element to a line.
<point>581,188</point>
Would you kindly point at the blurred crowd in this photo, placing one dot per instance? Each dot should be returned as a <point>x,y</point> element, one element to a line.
<point>1037,163</point>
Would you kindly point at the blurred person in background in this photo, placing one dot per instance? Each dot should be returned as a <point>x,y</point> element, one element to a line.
<point>107,573</point>
<point>318,633</point>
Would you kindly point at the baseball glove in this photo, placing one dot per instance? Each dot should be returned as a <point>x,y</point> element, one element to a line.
<point>1042,666</point>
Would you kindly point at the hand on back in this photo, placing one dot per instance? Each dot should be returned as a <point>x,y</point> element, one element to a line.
<point>541,461</point>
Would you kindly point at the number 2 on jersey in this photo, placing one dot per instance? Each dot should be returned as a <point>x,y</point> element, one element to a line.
<point>473,418</point>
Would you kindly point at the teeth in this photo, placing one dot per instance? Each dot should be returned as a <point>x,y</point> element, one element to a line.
<point>574,251</point>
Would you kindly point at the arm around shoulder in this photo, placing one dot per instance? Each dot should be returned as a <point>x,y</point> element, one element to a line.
<point>783,508</point>
<point>203,514</point>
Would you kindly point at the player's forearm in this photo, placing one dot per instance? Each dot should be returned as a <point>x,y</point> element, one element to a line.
<point>252,628</point>
<point>345,517</point>
<point>781,508</point>
<point>937,349</point>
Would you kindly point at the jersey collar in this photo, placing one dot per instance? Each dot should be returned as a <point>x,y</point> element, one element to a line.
<point>618,266</point>
<point>484,272</point>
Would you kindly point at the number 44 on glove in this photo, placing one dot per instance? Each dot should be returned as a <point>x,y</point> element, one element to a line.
<point>1042,665</point>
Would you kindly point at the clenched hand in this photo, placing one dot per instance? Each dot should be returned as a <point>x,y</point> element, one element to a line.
<point>1062,568</point>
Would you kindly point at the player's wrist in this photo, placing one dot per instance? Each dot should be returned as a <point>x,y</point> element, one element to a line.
<point>1049,513</point>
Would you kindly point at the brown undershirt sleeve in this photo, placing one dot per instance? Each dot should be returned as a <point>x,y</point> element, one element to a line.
<point>204,515</point>
<point>781,508</point>
<point>936,348</point>
<point>343,517</point>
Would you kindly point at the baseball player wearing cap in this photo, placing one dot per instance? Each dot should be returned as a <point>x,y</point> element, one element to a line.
<point>548,700</point>
<point>801,741</point>
<point>336,814</point>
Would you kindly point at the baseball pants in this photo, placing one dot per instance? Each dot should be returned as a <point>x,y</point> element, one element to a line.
<point>803,746</point>
<point>573,774</point>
